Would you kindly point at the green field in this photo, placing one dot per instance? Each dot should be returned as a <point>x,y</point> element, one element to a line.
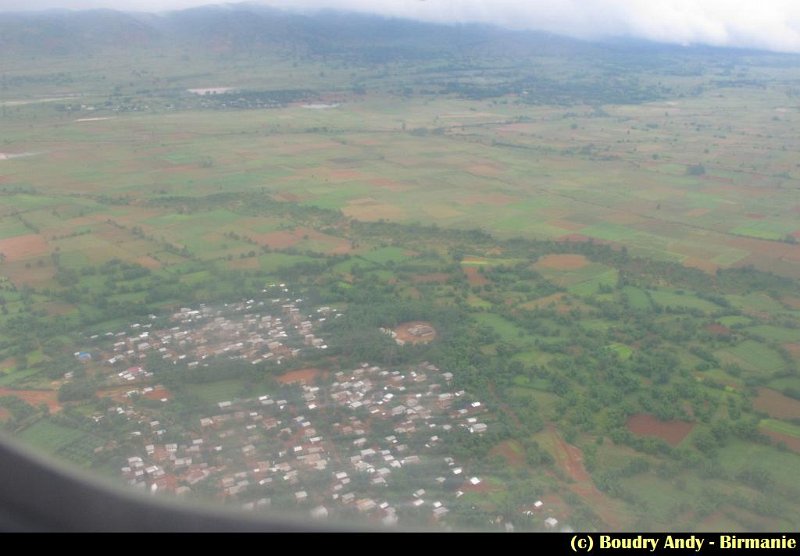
<point>781,427</point>
<point>755,356</point>
<point>775,333</point>
<point>219,391</point>
<point>49,436</point>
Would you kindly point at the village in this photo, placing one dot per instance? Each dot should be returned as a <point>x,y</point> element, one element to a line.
<point>368,441</point>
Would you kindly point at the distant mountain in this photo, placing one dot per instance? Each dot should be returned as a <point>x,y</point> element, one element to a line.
<point>246,27</point>
<point>65,32</point>
<point>251,28</point>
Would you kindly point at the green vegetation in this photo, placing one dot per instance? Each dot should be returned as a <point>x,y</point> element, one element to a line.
<point>576,281</point>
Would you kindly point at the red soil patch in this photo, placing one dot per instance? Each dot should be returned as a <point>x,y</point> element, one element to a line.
<point>416,332</point>
<point>496,199</point>
<point>764,251</point>
<point>391,185</point>
<point>644,424</point>
<point>158,393</point>
<point>570,459</point>
<point>483,486</point>
<point>562,262</point>
<point>286,196</point>
<point>755,216</point>
<point>474,277</point>
<point>4,414</point>
<point>794,349</point>
<point>23,247</point>
<point>718,329</point>
<point>623,218</point>
<point>511,451</point>
<point>35,397</point>
<point>793,443</point>
<point>433,277</point>
<point>148,262</point>
<point>697,212</point>
<point>717,521</point>
<point>793,302</point>
<point>118,393</point>
<point>702,264</point>
<point>250,263</point>
<point>369,209</point>
<point>776,404</point>
<point>304,376</point>
<point>57,308</point>
<point>287,238</point>
<point>277,240</point>
<point>344,174</point>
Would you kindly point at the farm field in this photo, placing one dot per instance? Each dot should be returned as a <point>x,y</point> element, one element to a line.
<point>592,266</point>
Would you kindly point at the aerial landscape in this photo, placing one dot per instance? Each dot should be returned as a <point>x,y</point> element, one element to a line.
<point>402,273</point>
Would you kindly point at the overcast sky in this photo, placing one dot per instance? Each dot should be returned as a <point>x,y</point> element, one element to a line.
<point>768,24</point>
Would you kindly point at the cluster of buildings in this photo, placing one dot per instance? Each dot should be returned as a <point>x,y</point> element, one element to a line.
<point>254,331</point>
<point>369,441</point>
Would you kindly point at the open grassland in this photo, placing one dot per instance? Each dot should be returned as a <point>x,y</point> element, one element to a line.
<point>542,171</point>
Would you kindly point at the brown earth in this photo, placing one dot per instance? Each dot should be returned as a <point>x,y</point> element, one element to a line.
<point>35,397</point>
<point>4,414</point>
<point>286,196</point>
<point>389,184</point>
<point>370,209</point>
<point>474,277</point>
<point>644,424</point>
<point>304,376</point>
<point>718,329</point>
<point>433,277</point>
<point>282,239</point>
<point>250,263</point>
<point>702,264</point>
<point>58,307</point>
<point>158,393</point>
<point>344,174</point>
<point>698,212</point>
<point>118,393</point>
<point>546,301</point>
<point>794,349</point>
<point>562,262</point>
<point>148,262</point>
<point>793,302</point>
<point>483,486</point>
<point>402,331</point>
<point>776,405</point>
<point>511,451</point>
<point>570,459</point>
<point>277,240</point>
<point>792,442</point>
<point>494,199</point>
<point>23,247</point>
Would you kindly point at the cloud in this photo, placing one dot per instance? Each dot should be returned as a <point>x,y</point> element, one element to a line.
<point>765,24</point>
